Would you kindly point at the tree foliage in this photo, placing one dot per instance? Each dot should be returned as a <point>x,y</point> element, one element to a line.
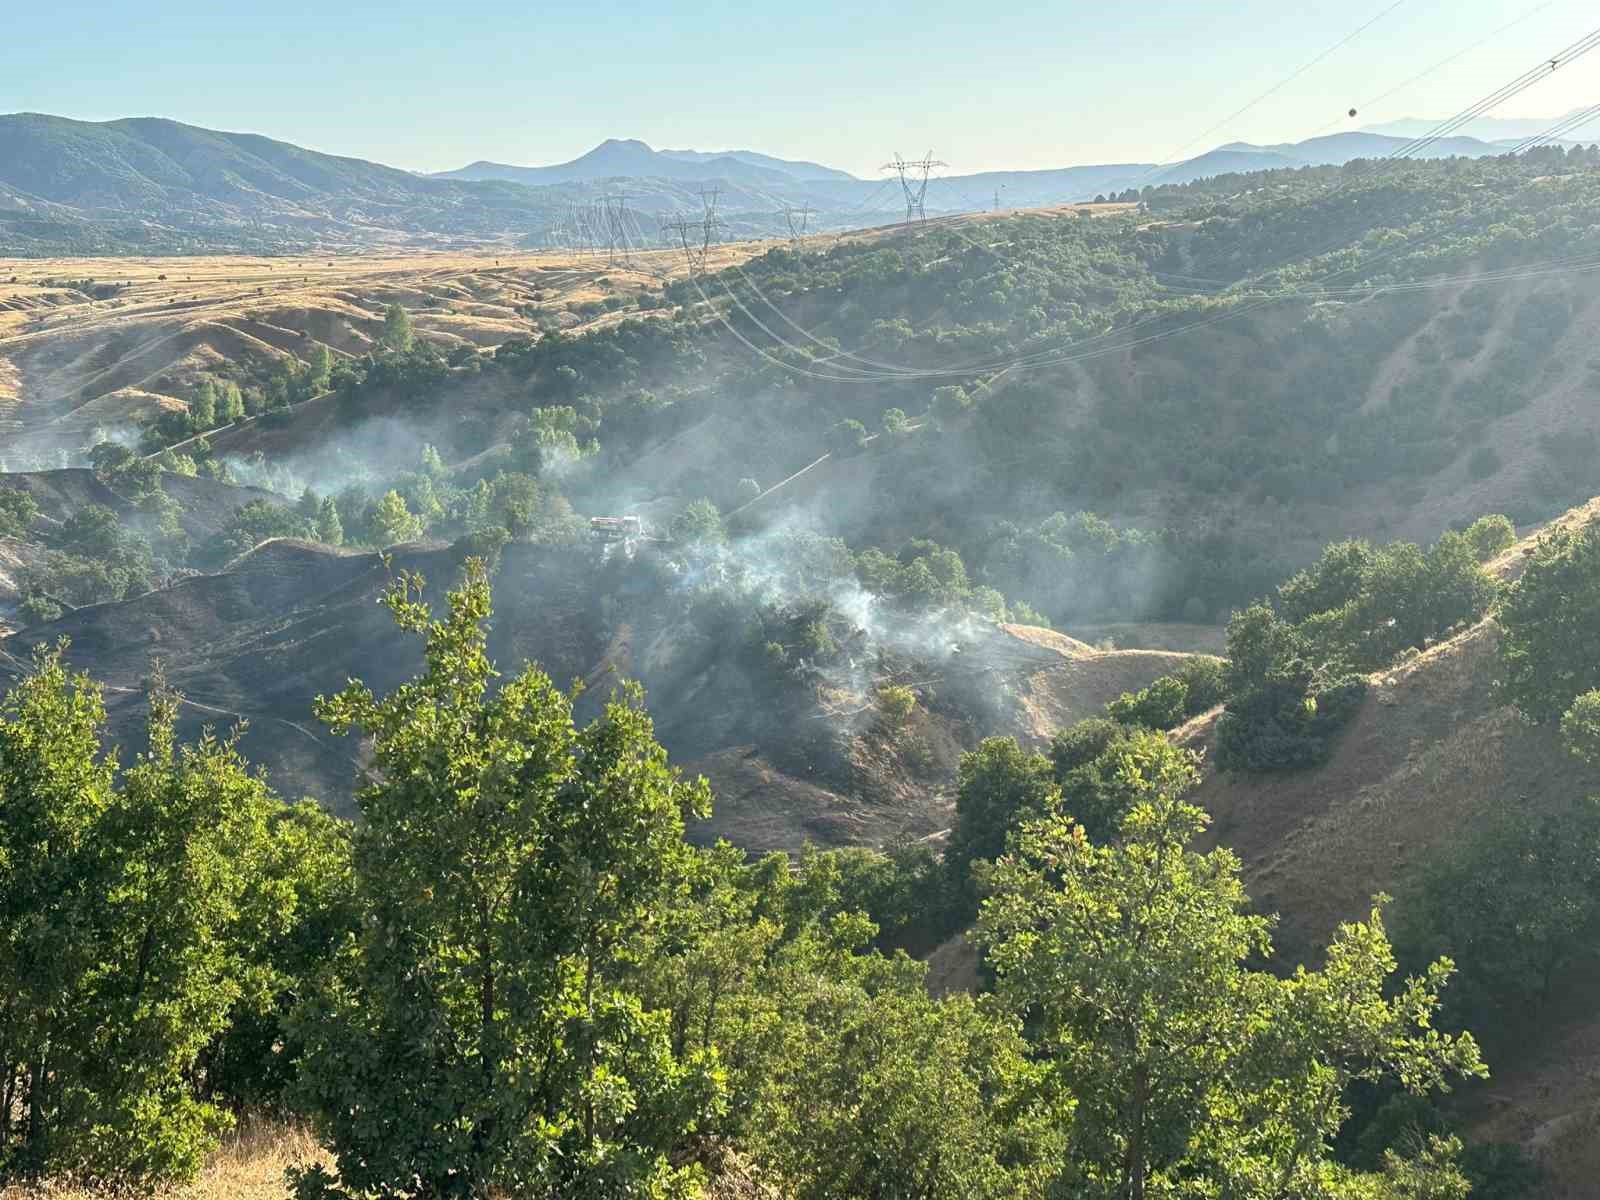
<point>120,908</point>
<point>510,864</point>
<point>1188,1069</point>
<point>1550,624</point>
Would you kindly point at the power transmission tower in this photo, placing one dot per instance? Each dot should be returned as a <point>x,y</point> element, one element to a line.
<point>583,222</point>
<point>616,229</point>
<point>798,219</point>
<point>695,235</point>
<point>914,182</point>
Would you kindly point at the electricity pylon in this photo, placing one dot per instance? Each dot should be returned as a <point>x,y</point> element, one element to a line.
<point>798,219</point>
<point>914,182</point>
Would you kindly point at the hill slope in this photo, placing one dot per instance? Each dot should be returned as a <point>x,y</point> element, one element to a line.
<point>1432,754</point>
<point>789,759</point>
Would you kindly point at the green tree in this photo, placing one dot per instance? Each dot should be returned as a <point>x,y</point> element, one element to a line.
<point>997,785</point>
<point>232,403</point>
<point>110,459</point>
<point>1189,1071</point>
<point>398,335</point>
<point>1098,791</point>
<point>18,510</point>
<point>251,524</point>
<point>846,438</point>
<point>1514,903</point>
<point>119,904</point>
<point>203,409</point>
<point>764,962</point>
<point>699,525</point>
<point>1550,624</point>
<point>1282,711</point>
<point>1490,536</point>
<point>319,367</point>
<point>330,529</point>
<point>297,914</point>
<point>507,867</point>
<point>390,522</point>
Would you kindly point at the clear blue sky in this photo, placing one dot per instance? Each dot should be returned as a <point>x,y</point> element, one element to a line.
<point>433,85</point>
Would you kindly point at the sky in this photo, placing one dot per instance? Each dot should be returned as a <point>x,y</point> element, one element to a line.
<point>1028,84</point>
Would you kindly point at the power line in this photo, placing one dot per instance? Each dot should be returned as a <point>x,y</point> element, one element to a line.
<point>1177,155</point>
<point>1440,65</point>
<point>883,372</point>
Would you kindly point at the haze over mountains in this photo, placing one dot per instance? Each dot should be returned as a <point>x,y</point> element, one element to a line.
<point>148,185</point>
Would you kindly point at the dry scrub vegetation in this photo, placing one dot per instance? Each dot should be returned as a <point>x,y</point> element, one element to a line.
<point>250,1165</point>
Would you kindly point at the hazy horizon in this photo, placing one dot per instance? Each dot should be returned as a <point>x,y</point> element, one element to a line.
<point>411,87</point>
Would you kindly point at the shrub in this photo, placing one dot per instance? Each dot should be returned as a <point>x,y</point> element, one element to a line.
<point>1490,536</point>
<point>1513,904</point>
<point>1205,679</point>
<point>1502,1171</point>
<point>847,437</point>
<point>896,705</point>
<point>1194,688</point>
<point>17,511</point>
<point>1282,712</point>
<point>1580,727</point>
<point>1159,706</point>
<point>1550,622</point>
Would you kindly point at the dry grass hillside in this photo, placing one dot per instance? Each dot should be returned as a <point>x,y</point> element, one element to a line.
<point>88,343</point>
<point>1431,752</point>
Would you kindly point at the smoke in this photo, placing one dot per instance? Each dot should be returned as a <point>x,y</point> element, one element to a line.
<point>791,568</point>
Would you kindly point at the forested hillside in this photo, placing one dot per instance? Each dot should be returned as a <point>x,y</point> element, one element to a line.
<point>1134,631</point>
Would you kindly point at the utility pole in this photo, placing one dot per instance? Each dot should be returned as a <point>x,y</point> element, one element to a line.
<point>914,182</point>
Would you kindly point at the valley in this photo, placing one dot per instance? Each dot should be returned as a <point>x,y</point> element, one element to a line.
<point>620,721</point>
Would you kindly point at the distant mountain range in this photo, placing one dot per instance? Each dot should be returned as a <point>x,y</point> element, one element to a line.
<point>629,158</point>
<point>146,185</point>
<point>1493,129</point>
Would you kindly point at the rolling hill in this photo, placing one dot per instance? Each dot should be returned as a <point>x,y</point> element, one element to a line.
<point>152,186</point>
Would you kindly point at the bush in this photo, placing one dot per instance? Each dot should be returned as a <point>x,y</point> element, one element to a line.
<point>1580,727</point>
<point>1192,689</point>
<point>1490,536</point>
<point>1513,904</point>
<point>1550,622</point>
<point>17,511</point>
<point>1159,706</point>
<point>1205,679</point>
<point>895,705</point>
<point>847,437</point>
<point>1282,712</point>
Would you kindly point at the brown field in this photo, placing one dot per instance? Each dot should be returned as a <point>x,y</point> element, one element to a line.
<point>70,362</point>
